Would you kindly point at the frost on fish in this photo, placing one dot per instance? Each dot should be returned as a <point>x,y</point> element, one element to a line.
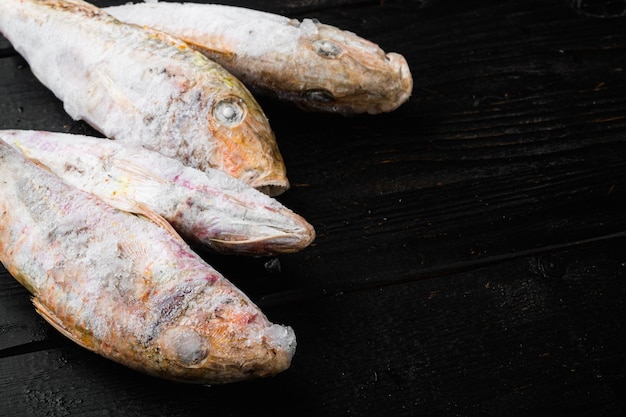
<point>144,87</point>
<point>208,207</point>
<point>318,67</point>
<point>123,287</point>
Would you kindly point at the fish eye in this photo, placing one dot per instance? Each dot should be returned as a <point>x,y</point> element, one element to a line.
<point>188,347</point>
<point>230,111</point>
<point>327,49</point>
<point>319,96</point>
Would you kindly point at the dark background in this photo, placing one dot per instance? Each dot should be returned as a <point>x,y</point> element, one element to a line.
<point>470,254</point>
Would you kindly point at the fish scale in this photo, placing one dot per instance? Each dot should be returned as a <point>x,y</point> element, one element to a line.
<point>316,66</point>
<point>126,288</point>
<point>144,87</point>
<point>209,207</point>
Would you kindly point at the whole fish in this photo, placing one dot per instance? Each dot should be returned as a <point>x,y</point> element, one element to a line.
<point>144,87</point>
<point>316,66</point>
<point>208,207</point>
<point>123,287</point>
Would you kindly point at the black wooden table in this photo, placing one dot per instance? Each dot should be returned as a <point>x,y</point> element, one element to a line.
<point>471,249</point>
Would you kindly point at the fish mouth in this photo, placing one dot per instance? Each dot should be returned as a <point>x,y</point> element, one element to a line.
<point>218,336</point>
<point>260,349</point>
<point>391,91</point>
<point>274,242</point>
<point>231,351</point>
<point>265,169</point>
<point>390,86</point>
<point>277,346</point>
<point>404,88</point>
<point>272,184</point>
<point>399,86</point>
<point>267,175</point>
<point>282,341</point>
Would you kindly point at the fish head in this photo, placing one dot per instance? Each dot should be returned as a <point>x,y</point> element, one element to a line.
<point>348,74</point>
<point>246,147</point>
<point>249,222</point>
<point>283,232</point>
<point>222,338</point>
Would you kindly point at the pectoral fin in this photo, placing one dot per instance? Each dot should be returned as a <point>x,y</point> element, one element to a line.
<point>28,155</point>
<point>82,339</point>
<point>113,91</point>
<point>138,174</point>
<point>159,220</point>
<point>210,51</point>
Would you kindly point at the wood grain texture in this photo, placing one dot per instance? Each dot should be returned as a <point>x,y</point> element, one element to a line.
<point>470,257</point>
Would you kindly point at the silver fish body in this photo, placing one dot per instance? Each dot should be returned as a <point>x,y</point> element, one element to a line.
<point>208,207</point>
<point>316,66</point>
<point>144,87</point>
<point>125,288</point>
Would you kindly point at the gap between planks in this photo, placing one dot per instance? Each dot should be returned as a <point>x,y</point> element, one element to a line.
<point>311,294</point>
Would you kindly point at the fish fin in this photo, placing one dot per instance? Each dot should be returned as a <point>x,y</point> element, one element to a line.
<point>138,173</point>
<point>210,52</point>
<point>28,155</point>
<point>114,91</point>
<point>128,174</point>
<point>149,184</point>
<point>145,183</point>
<point>55,322</point>
<point>145,211</point>
<point>39,163</point>
<point>136,253</point>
